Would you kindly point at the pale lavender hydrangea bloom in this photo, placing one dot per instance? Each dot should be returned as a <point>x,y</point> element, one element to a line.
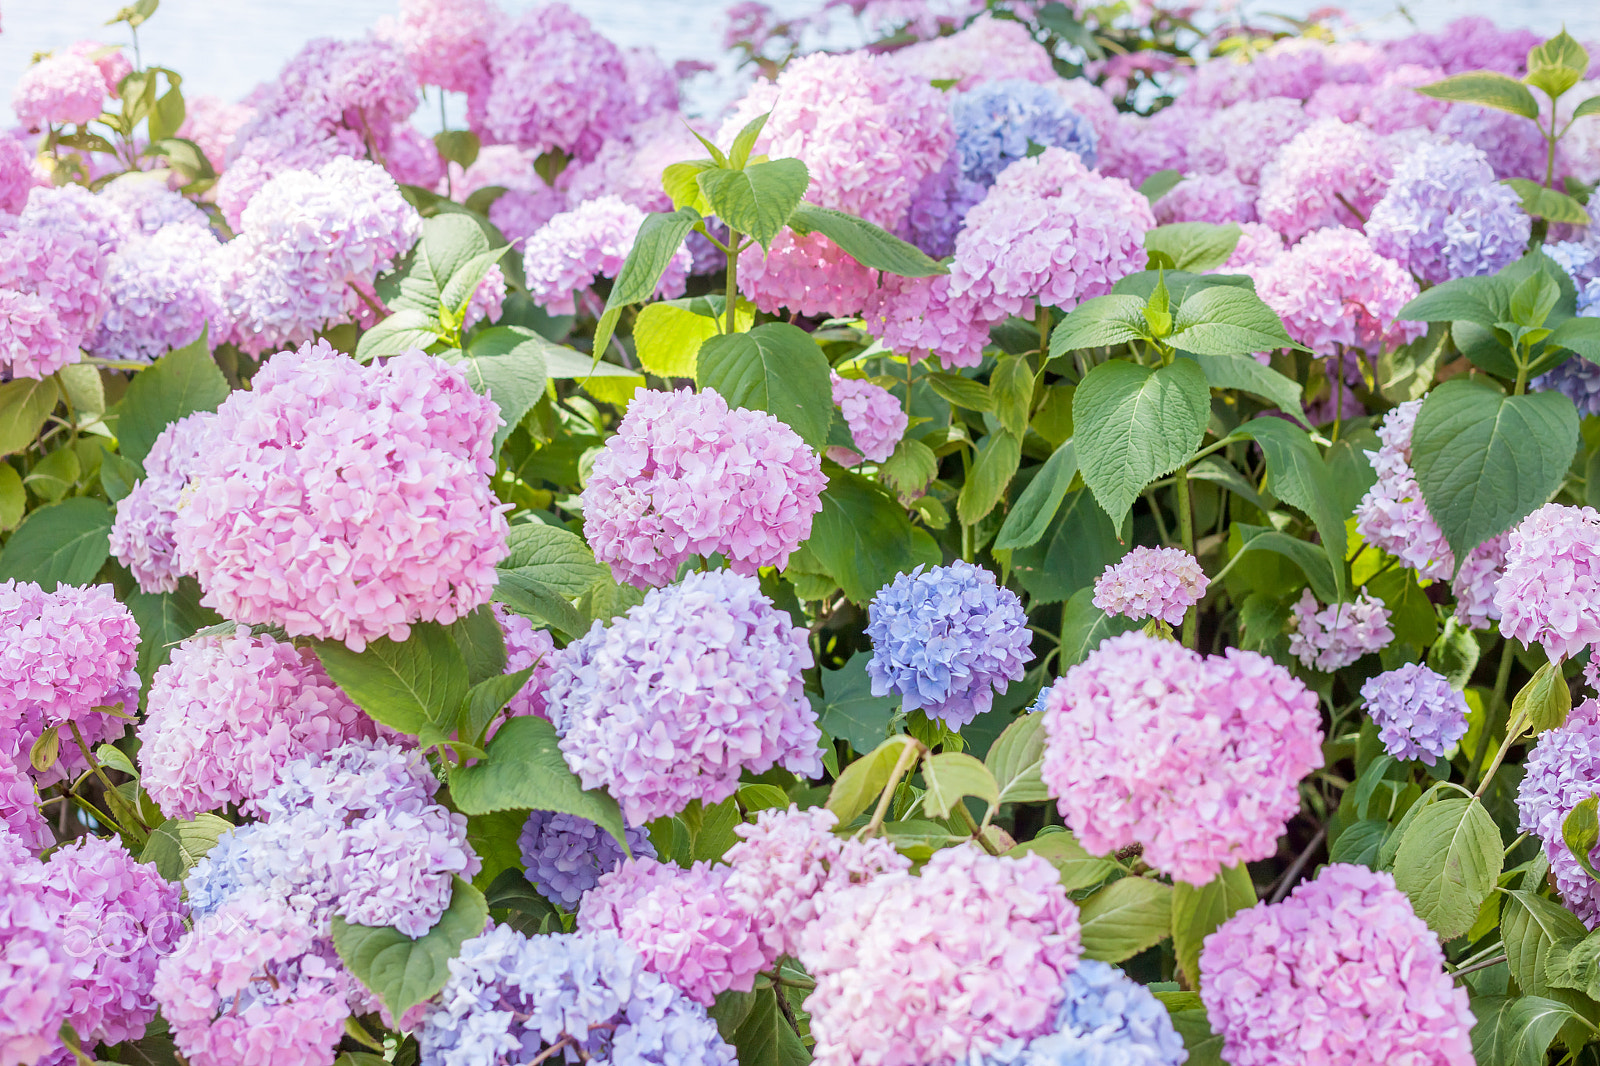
<point>141,536</point>
<point>1559,773</point>
<point>510,998</point>
<point>1244,138</point>
<point>1466,44</point>
<point>18,174</point>
<point>52,282</point>
<point>1550,591</point>
<point>1216,198</point>
<point>671,702</point>
<point>36,969</point>
<point>1342,971</point>
<point>593,239</point>
<point>564,855</point>
<point>946,640</point>
<point>938,208</point>
<point>525,647</point>
<point>875,419</point>
<point>1105,1019</point>
<point>999,122</point>
<point>919,317</point>
<point>1151,583</point>
<point>162,293</point>
<point>1577,379</point>
<point>1418,714</point>
<point>1444,215</point>
<point>1513,146</point>
<point>1327,638</point>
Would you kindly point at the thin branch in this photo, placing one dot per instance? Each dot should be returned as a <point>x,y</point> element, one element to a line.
<point>1292,874</point>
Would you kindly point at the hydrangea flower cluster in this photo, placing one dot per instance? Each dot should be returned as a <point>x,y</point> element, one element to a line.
<point>59,90</point>
<point>1549,593</point>
<point>19,810</point>
<point>36,970</point>
<point>685,475</point>
<point>1241,139</point>
<point>919,317</point>
<point>1216,198</point>
<point>565,855</point>
<point>593,239</point>
<point>999,122</point>
<point>1577,379</point>
<point>1331,174</point>
<point>511,998</point>
<point>1559,774</point>
<point>1418,714</point>
<point>445,43</point>
<point>1152,583</point>
<point>141,536</point>
<point>1196,759</point>
<point>1104,1018</point>
<point>345,501</point>
<point>875,419</point>
<point>52,285</point>
<point>669,704</point>
<point>1333,292</point>
<point>935,967</point>
<point>1342,971</point>
<point>1327,638</point>
<point>946,639</point>
<point>525,647</point>
<point>988,49</point>
<point>1513,146</point>
<point>162,293</point>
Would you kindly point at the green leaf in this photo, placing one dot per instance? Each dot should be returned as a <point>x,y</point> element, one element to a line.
<point>857,787</point>
<point>402,331</point>
<point>862,536</point>
<point>176,846</point>
<point>1449,858</point>
<point>1015,759</point>
<point>849,709</point>
<point>24,405</point>
<point>1575,963</point>
<point>1133,424</point>
<point>508,368</point>
<point>1486,89</point>
<point>711,829</point>
<point>409,685</point>
<point>1197,912</point>
<point>961,392</point>
<point>867,244</point>
<point>1545,699</point>
<point>1124,918</point>
<point>744,143</point>
<point>1076,548</point>
<point>1078,869</point>
<point>950,776</point>
<point>910,468</point>
<point>1228,321</point>
<point>1084,626</point>
<point>61,543</point>
<point>403,971</point>
<point>1100,322</point>
<point>1298,475</point>
<point>1034,510</point>
<point>667,336</point>
<point>180,383</point>
<point>1589,107</point>
<point>1581,335</point>
<point>1580,831</point>
<point>764,1037</point>
<point>1455,653</point>
<point>1557,65</point>
<point>657,241</point>
<point>1360,843</point>
<point>525,771</point>
<point>533,599</point>
<point>996,464</point>
<point>1486,460</point>
<point>1546,203</point>
<point>605,381</point>
<point>1204,1046</point>
<point>679,182</point>
<point>1194,246</point>
<point>165,619</point>
<point>1456,300</point>
<point>554,557</point>
<point>757,200</point>
<point>482,643</point>
<point>488,698</point>
<point>1516,1031</point>
<point>775,368</point>
<point>1011,385</point>
<point>457,292</point>
<point>1411,614</point>
<point>1530,926</point>
<point>1243,373</point>
<point>458,146</point>
<point>1159,184</point>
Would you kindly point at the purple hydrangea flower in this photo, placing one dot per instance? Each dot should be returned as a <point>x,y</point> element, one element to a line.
<point>1577,379</point>
<point>1560,773</point>
<point>141,536</point>
<point>875,417</point>
<point>36,969</point>
<point>1550,591</point>
<point>1152,583</point>
<point>593,239</point>
<point>1418,714</point>
<point>564,855</point>
<point>1105,1019</point>
<point>999,122</point>
<point>1328,638</point>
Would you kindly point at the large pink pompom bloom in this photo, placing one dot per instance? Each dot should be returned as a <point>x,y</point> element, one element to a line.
<point>875,418</point>
<point>942,967</point>
<point>919,317</point>
<point>1152,583</point>
<point>1330,174</point>
<point>1388,106</point>
<point>694,685</point>
<point>1258,245</point>
<point>226,714</point>
<point>162,293</point>
<point>593,239</point>
<point>445,41</point>
<point>141,536</point>
<point>1343,972</point>
<point>1333,291</point>
<point>1049,228</point>
<point>805,274</point>
<point>344,501</point>
<point>1328,638</point>
<point>1136,146</point>
<point>1242,139</point>
<point>1550,591</point>
<point>787,866</point>
<point>681,922</point>
<point>52,283</point>
<point>1196,759</point>
<point>685,475</point>
<point>36,969</point>
<point>19,809</point>
<point>1217,198</point>
<point>987,50</point>
<point>59,90</point>
<point>1559,774</point>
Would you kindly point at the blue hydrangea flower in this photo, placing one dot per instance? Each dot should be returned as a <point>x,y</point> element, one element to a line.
<point>1105,1019</point>
<point>1418,714</point>
<point>996,121</point>
<point>946,640</point>
<point>564,855</point>
<point>511,997</point>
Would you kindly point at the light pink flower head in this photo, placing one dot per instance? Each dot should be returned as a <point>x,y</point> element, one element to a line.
<point>1331,174</point>
<point>591,240</point>
<point>59,90</point>
<point>875,417</point>
<point>1550,591</point>
<point>1327,638</point>
<point>1151,583</point>
<point>1333,291</point>
<point>989,49</point>
<point>919,317</point>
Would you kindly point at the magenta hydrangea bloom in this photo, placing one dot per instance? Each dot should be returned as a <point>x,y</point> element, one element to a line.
<point>119,917</point>
<point>445,41</point>
<point>1550,591</point>
<point>1151,583</point>
<point>681,922</point>
<point>254,985</point>
<point>212,124</point>
<point>52,287</point>
<point>141,536</point>
<point>1217,198</point>
<point>787,865</point>
<point>18,174</point>
<point>19,809</point>
<point>1333,291</point>
<point>593,239</point>
<point>919,317</point>
<point>686,475</point>
<point>1342,971</point>
<point>698,682</point>
<point>226,714</point>
<point>1052,229</point>
<point>1331,174</point>
<point>1196,759</point>
<point>933,968</point>
<point>379,512</point>
<point>1559,773</point>
<point>564,855</point>
<point>1418,714</point>
<point>988,49</point>
<point>875,418</point>
<point>525,647</point>
<point>36,970</point>
<point>1243,138</point>
<point>946,639</point>
<point>1327,638</point>
<point>59,90</point>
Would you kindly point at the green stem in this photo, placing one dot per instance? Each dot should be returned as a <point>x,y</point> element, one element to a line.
<point>973,828</point>
<point>1522,371</point>
<point>1513,734</point>
<point>908,758</point>
<point>732,296</point>
<point>1497,703</point>
<point>1042,320</point>
<point>1191,617</point>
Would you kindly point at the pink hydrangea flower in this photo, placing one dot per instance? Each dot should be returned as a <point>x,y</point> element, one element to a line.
<point>1052,229</point>
<point>18,174</point>
<point>1258,245</point>
<point>141,536</point>
<point>685,475</point>
<point>1294,68</point>
<point>989,49</point>
<point>1550,591</point>
<point>1464,44</point>
<point>1242,139</point>
<point>1327,638</point>
<point>1333,291</point>
<point>346,502</point>
<point>1388,106</point>
<point>52,287</point>
<point>806,274</point>
<point>226,714</point>
<point>525,647</point>
<point>593,239</point>
<point>787,866</point>
<point>697,683</point>
<point>1218,198</point>
<point>1136,146</point>
<point>161,294</point>
<point>59,90</point>
<point>1196,759</point>
<point>681,922</point>
<point>875,417</point>
<point>36,970</point>
<point>1152,583</point>
<point>445,41</point>
<point>919,317</point>
<point>1474,584</point>
<point>630,168</point>
<point>413,158</point>
<point>19,809</point>
<point>930,969</point>
<point>212,123</point>
<point>1559,773</point>
<point>1331,174</point>
<point>1342,971</point>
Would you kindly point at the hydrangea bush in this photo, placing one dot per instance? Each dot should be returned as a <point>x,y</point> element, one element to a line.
<point>1065,535</point>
